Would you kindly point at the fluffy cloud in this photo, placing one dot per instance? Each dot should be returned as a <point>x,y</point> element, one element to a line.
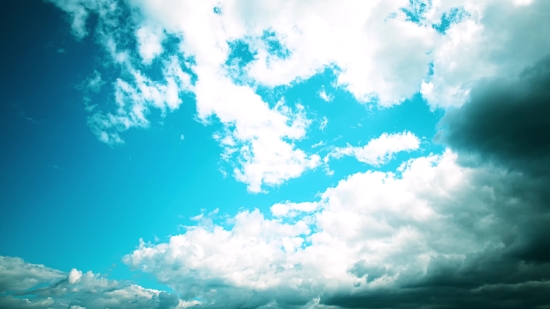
<point>500,130</point>
<point>19,276</point>
<point>378,150</point>
<point>380,51</point>
<point>25,285</point>
<point>377,239</point>
<point>497,38</point>
<point>434,233</point>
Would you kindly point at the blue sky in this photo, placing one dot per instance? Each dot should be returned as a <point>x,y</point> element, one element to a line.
<point>112,196</point>
<point>197,158</point>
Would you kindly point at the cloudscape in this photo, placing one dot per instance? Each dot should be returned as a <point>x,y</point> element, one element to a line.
<point>275,154</point>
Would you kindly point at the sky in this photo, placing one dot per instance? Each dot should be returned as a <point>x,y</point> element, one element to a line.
<point>306,154</point>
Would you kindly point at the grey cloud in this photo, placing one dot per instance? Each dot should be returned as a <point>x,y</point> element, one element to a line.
<point>514,274</point>
<point>524,295</point>
<point>503,134</point>
<point>506,122</point>
<point>25,285</point>
<point>362,269</point>
<point>18,276</point>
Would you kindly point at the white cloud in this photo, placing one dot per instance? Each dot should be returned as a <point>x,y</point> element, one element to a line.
<point>377,54</point>
<point>93,83</point>
<point>392,225</point>
<point>74,276</point>
<point>135,98</point>
<point>319,144</point>
<point>323,123</point>
<point>378,150</point>
<point>149,42</point>
<point>326,97</point>
<point>255,136</point>
<point>289,209</point>
<point>498,39</point>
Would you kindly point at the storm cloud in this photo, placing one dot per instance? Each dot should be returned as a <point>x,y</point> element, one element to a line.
<point>502,133</point>
<point>505,122</point>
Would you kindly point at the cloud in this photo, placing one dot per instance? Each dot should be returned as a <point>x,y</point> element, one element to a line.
<point>376,239</point>
<point>289,209</point>
<point>150,42</point>
<point>323,123</point>
<point>505,121</point>
<point>326,97</point>
<point>261,150</point>
<point>379,150</point>
<point>25,285</point>
<point>92,83</point>
<point>381,52</point>
<point>433,233</point>
<point>505,124</point>
<point>19,276</point>
<point>135,98</point>
<point>497,38</point>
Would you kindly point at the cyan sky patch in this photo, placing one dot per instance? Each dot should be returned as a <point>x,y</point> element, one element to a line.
<point>240,53</point>
<point>416,10</point>
<point>455,15</point>
<point>274,46</point>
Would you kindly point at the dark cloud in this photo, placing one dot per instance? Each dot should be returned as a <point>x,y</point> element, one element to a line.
<point>361,269</point>
<point>503,132</point>
<point>525,295</point>
<point>506,122</point>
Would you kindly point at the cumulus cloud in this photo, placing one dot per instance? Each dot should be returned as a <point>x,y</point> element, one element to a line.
<point>25,285</point>
<point>497,38</point>
<point>379,150</point>
<point>149,42</point>
<point>381,51</point>
<point>376,239</point>
<point>433,233</point>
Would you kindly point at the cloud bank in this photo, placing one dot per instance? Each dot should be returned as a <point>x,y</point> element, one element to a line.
<point>25,285</point>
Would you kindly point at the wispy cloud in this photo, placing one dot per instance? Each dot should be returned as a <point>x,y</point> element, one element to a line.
<point>378,150</point>
<point>323,123</point>
<point>49,288</point>
<point>326,97</point>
